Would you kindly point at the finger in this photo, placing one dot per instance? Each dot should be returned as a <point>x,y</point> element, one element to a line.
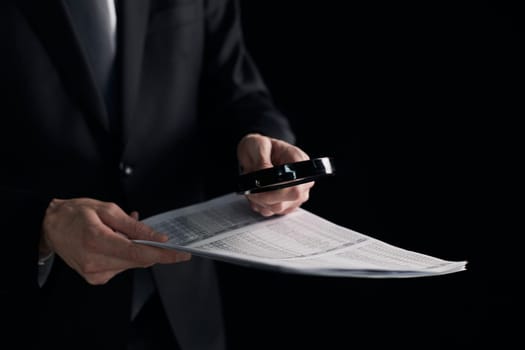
<point>142,255</point>
<point>114,217</point>
<point>273,203</point>
<point>262,210</point>
<point>254,153</point>
<point>135,216</point>
<point>284,152</point>
<point>298,193</point>
<point>276,209</point>
<point>134,229</point>
<point>108,267</point>
<point>115,252</point>
<point>103,237</point>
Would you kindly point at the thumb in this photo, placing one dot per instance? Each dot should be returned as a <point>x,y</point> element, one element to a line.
<point>254,153</point>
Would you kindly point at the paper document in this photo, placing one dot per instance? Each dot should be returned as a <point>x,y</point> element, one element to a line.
<point>225,228</point>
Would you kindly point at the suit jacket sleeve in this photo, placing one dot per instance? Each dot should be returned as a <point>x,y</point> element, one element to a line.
<point>21,208</point>
<point>22,215</point>
<point>231,80</point>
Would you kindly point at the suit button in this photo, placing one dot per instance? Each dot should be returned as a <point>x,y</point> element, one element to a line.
<point>125,169</point>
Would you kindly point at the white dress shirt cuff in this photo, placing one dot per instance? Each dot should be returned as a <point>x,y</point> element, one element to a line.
<point>44,268</point>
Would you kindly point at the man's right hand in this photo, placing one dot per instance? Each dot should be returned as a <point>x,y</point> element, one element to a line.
<point>94,238</point>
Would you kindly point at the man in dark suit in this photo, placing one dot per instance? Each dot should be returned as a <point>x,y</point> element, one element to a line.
<point>99,128</point>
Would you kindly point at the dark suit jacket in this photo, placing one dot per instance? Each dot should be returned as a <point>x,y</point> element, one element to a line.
<point>187,91</point>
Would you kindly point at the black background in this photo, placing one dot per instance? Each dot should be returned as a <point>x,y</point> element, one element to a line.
<point>420,104</point>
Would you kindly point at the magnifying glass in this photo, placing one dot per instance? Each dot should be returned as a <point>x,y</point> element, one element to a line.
<point>285,175</point>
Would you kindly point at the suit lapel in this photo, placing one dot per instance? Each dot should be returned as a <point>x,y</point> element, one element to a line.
<point>53,25</point>
<point>132,24</point>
